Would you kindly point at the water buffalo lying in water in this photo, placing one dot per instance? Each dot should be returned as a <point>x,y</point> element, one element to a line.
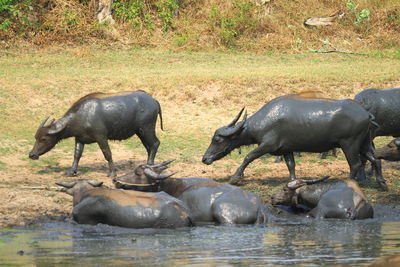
<point>99,117</point>
<point>341,200</point>
<point>390,152</point>
<point>95,204</point>
<point>290,124</point>
<point>207,200</point>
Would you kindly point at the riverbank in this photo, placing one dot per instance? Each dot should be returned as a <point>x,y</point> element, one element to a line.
<point>198,92</point>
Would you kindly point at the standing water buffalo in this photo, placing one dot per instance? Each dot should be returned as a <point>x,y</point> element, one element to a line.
<point>385,106</point>
<point>340,200</point>
<point>99,117</point>
<point>290,124</point>
<point>95,204</point>
<point>207,200</point>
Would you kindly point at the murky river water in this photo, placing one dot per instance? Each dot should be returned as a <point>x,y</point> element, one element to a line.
<point>306,243</point>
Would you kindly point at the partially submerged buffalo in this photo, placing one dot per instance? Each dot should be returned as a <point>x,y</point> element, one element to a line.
<point>340,200</point>
<point>99,117</point>
<point>95,204</point>
<point>390,152</point>
<point>290,124</point>
<point>207,200</point>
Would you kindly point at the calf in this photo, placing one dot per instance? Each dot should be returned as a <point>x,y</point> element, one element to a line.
<point>341,200</point>
<point>207,200</point>
<point>95,204</point>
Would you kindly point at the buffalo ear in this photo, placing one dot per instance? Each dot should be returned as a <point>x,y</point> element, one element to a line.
<point>233,131</point>
<point>58,126</point>
<point>397,142</point>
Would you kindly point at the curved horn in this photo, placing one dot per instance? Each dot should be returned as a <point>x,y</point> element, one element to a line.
<point>156,176</point>
<point>66,184</point>
<point>162,164</point>
<point>397,142</point>
<point>95,183</point>
<point>293,185</point>
<point>43,122</point>
<point>228,131</point>
<point>59,126</point>
<point>236,118</point>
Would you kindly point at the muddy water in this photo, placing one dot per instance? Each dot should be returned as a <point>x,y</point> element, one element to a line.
<point>302,242</point>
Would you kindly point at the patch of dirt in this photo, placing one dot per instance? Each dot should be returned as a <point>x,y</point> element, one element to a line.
<point>29,192</point>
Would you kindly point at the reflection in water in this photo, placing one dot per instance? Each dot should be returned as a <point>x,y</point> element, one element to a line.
<point>309,243</point>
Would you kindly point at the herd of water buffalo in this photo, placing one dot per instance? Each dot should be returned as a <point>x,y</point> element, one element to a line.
<point>302,122</point>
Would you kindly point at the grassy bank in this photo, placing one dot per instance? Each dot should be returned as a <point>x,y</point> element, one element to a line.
<point>198,92</point>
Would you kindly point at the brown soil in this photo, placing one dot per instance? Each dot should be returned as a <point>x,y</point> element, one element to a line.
<point>30,193</point>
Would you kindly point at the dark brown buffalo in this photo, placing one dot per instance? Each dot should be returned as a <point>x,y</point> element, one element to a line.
<point>293,123</point>
<point>99,117</point>
<point>207,200</point>
<point>95,204</point>
<point>340,200</point>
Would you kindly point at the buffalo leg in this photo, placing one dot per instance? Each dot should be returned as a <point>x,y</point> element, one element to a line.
<point>352,152</point>
<point>291,164</point>
<point>376,166</point>
<point>77,156</point>
<point>254,154</point>
<point>105,148</point>
<point>150,142</point>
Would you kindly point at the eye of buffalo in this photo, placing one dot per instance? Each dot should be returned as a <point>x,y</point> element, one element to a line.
<point>218,139</point>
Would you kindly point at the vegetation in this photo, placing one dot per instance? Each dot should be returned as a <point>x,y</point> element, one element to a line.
<point>198,92</point>
<point>250,25</point>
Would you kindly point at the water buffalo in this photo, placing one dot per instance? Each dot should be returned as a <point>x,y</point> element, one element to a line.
<point>390,152</point>
<point>99,117</point>
<point>385,106</point>
<point>341,200</point>
<point>95,204</point>
<point>290,124</point>
<point>207,200</point>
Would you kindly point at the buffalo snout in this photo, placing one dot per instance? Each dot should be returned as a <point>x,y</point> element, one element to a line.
<point>33,156</point>
<point>207,160</point>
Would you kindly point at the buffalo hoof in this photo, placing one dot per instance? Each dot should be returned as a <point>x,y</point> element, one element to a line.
<point>112,174</point>
<point>235,179</point>
<point>71,173</point>
<point>383,185</point>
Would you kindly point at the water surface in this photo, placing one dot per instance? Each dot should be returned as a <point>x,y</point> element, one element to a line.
<point>301,243</point>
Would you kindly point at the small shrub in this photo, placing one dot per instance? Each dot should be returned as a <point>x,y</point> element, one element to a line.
<point>364,14</point>
<point>13,12</point>
<point>166,10</point>
<point>134,11</point>
<point>234,22</point>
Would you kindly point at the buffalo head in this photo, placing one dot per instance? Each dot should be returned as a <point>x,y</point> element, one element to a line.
<point>287,196</point>
<point>225,140</point>
<point>71,188</point>
<point>144,177</point>
<point>46,138</point>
